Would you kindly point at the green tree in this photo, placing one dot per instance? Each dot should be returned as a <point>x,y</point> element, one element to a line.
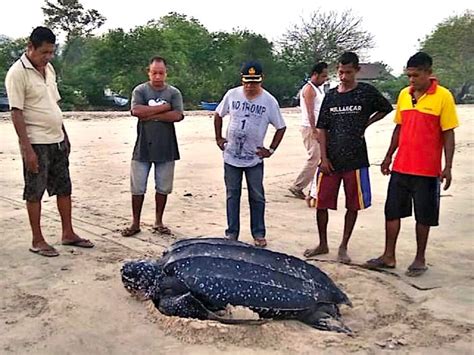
<point>324,36</point>
<point>451,45</point>
<point>391,87</point>
<point>230,50</point>
<point>186,44</point>
<point>70,17</point>
<point>10,51</point>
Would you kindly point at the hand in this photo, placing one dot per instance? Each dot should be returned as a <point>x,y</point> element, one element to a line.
<point>67,146</point>
<point>221,143</point>
<point>385,166</point>
<point>31,160</point>
<point>263,152</point>
<point>180,118</point>
<point>446,175</point>
<point>326,166</point>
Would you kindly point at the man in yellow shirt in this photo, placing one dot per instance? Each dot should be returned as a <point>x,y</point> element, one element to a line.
<point>425,122</point>
<point>33,96</point>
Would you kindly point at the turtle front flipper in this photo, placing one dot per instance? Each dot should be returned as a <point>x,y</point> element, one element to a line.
<point>325,317</point>
<point>188,306</point>
<point>184,305</point>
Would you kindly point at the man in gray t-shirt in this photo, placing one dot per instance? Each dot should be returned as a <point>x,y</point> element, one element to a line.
<point>157,106</point>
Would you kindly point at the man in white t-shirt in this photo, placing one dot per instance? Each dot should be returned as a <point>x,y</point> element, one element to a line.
<point>311,98</point>
<point>251,109</point>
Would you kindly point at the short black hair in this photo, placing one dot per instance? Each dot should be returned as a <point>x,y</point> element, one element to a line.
<point>349,58</point>
<point>158,59</point>
<point>318,68</point>
<point>420,60</point>
<point>40,35</point>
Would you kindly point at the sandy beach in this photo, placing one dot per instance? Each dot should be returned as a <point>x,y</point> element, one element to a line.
<point>76,304</point>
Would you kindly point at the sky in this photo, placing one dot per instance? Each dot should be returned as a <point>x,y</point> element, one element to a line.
<point>397,26</point>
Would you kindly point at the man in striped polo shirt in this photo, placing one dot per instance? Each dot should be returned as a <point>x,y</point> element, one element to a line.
<point>425,118</point>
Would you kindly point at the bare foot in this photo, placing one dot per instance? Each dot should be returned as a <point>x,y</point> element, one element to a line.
<point>319,250</point>
<point>41,244</point>
<point>342,256</point>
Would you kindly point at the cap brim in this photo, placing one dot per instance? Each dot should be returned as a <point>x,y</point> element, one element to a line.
<point>252,78</point>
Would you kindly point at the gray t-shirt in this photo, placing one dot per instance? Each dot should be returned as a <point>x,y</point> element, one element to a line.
<point>156,141</point>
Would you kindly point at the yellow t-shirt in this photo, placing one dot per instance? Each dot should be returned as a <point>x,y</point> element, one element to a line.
<point>37,97</point>
<point>420,143</point>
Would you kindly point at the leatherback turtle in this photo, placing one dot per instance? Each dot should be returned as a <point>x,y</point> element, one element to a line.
<point>198,277</point>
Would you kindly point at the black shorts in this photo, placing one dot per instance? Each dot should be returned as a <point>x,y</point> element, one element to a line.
<point>424,191</point>
<point>53,174</point>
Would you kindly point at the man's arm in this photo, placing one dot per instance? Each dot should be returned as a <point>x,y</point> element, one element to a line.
<point>385,166</point>
<point>147,113</point>
<point>309,95</point>
<point>220,141</point>
<point>169,116</point>
<point>326,165</point>
<point>449,143</point>
<point>67,142</point>
<point>27,152</point>
<point>376,117</point>
<point>380,106</point>
<point>263,152</point>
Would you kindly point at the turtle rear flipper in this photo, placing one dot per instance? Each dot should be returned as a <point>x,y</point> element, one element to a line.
<point>188,306</point>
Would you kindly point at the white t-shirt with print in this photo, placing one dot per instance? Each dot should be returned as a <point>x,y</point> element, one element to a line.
<point>249,120</point>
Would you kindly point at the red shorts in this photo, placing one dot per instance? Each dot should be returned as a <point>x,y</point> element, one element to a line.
<point>356,187</point>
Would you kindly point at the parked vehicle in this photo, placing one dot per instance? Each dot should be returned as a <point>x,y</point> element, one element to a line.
<point>210,106</point>
<point>4,105</point>
<point>116,100</point>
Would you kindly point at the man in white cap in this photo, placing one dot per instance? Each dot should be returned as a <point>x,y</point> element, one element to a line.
<point>251,109</point>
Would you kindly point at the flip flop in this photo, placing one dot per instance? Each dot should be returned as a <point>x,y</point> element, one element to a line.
<point>80,243</point>
<point>377,263</point>
<point>128,232</point>
<point>260,242</point>
<point>416,271</point>
<point>162,230</point>
<point>48,252</point>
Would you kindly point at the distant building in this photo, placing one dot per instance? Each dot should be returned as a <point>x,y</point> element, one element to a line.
<point>371,72</point>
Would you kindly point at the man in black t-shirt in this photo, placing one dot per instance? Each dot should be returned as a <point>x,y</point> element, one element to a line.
<point>346,112</point>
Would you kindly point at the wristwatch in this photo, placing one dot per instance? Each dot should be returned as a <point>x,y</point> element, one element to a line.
<point>271,150</point>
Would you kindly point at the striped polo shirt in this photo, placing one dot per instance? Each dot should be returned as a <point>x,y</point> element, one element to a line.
<point>423,122</point>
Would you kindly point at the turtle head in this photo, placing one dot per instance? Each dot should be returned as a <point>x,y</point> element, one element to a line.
<point>140,277</point>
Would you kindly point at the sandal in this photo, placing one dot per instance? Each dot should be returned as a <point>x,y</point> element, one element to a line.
<point>297,193</point>
<point>162,230</point>
<point>128,232</point>
<point>80,243</point>
<point>377,263</point>
<point>416,271</point>
<point>48,252</point>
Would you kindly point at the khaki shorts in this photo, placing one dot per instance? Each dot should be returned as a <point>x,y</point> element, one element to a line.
<point>164,174</point>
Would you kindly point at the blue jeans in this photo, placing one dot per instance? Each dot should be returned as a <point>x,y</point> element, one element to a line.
<point>233,184</point>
